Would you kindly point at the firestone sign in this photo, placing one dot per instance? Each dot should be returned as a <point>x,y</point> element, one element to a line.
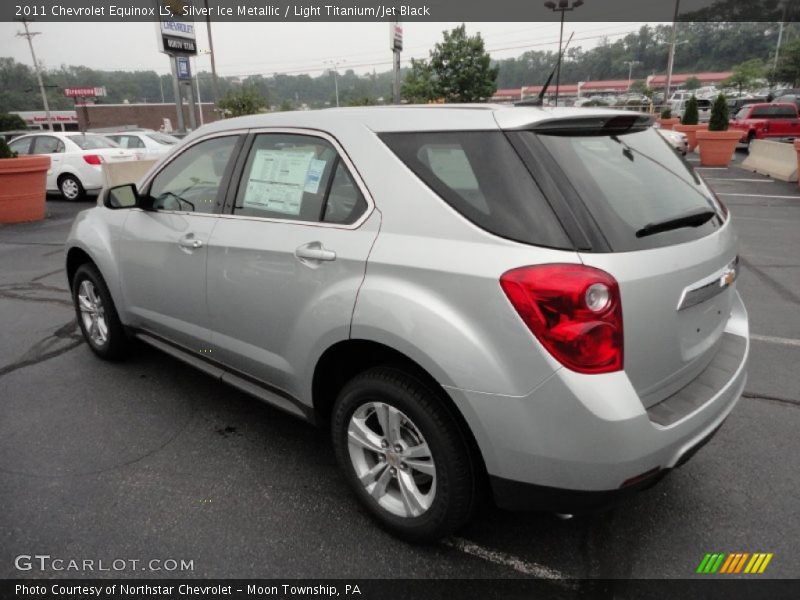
<point>84,92</point>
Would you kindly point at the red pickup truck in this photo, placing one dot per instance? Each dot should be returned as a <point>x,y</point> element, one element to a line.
<point>767,120</point>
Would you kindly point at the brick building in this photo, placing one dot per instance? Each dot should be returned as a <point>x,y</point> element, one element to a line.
<point>149,116</point>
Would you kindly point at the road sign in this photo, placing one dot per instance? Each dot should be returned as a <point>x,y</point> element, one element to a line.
<point>396,37</point>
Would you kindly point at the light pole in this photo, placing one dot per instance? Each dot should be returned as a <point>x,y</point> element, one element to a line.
<point>671,60</point>
<point>197,84</point>
<point>631,64</point>
<point>335,70</point>
<point>30,35</point>
<point>563,6</point>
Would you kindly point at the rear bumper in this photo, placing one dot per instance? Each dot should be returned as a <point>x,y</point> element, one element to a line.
<point>581,442</point>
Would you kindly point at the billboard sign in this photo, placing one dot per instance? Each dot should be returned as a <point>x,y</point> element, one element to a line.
<point>396,37</point>
<point>184,69</point>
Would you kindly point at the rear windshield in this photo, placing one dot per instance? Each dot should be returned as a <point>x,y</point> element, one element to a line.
<point>92,142</point>
<point>630,181</point>
<point>480,175</point>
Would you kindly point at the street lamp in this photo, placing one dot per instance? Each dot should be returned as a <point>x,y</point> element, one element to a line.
<point>197,84</point>
<point>335,70</point>
<point>562,6</point>
<point>631,64</point>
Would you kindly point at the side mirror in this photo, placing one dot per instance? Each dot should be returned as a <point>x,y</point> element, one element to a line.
<point>121,196</point>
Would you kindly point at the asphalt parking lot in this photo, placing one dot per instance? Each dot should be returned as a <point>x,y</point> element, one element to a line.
<point>149,459</point>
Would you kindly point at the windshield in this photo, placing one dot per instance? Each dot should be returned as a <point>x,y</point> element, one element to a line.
<point>92,142</point>
<point>742,114</point>
<point>632,181</point>
<point>163,138</point>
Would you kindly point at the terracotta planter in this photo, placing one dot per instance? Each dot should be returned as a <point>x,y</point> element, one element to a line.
<point>668,123</point>
<point>717,147</point>
<point>23,186</point>
<point>797,149</point>
<point>691,133</point>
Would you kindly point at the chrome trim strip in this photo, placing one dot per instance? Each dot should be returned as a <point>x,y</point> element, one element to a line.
<point>710,286</point>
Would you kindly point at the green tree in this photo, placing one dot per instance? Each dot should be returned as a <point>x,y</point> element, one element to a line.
<point>5,151</point>
<point>692,83</point>
<point>691,115</point>
<point>638,87</point>
<point>418,86</point>
<point>719,115</point>
<point>246,101</point>
<point>9,122</point>
<point>746,74</point>
<point>285,106</point>
<point>459,70</point>
<point>789,63</point>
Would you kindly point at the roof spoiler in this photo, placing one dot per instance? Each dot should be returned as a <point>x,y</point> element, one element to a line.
<point>608,124</point>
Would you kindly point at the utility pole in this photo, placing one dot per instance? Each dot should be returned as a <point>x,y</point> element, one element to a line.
<point>396,45</point>
<point>335,70</point>
<point>671,61</point>
<point>214,81</point>
<point>28,34</point>
<point>780,38</point>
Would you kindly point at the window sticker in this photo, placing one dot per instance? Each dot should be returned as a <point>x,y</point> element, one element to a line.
<point>277,180</point>
<point>315,170</point>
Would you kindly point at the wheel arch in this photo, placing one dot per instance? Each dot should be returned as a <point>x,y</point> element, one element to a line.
<point>345,359</point>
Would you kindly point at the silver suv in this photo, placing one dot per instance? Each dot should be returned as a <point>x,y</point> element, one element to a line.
<point>537,303</point>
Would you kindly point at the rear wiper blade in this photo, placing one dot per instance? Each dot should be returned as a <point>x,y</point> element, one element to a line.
<point>693,218</point>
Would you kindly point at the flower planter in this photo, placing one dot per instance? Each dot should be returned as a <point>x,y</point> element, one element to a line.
<point>691,133</point>
<point>717,147</point>
<point>23,186</point>
<point>668,123</point>
<point>797,149</point>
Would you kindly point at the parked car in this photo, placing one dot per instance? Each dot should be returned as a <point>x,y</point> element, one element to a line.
<point>766,120</point>
<point>540,299</point>
<point>10,135</point>
<point>703,109</point>
<point>75,159</point>
<point>735,104</point>
<point>792,96</point>
<point>146,145</point>
<point>676,139</point>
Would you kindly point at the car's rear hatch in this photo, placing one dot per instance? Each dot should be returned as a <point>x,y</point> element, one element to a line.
<point>654,225</point>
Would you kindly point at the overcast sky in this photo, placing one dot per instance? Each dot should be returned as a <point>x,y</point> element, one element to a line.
<point>250,48</point>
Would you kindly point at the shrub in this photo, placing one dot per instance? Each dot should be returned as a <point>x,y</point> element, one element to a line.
<point>5,151</point>
<point>691,115</point>
<point>719,115</point>
<point>596,102</point>
<point>666,113</point>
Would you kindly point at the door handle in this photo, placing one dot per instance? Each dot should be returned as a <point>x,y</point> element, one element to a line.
<point>314,251</point>
<point>189,241</point>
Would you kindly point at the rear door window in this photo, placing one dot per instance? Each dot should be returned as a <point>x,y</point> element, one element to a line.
<point>630,181</point>
<point>480,175</point>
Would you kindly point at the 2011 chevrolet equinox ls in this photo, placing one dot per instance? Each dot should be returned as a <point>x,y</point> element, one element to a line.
<point>538,300</point>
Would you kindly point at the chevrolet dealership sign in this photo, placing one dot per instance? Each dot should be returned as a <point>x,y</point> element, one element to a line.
<point>176,35</point>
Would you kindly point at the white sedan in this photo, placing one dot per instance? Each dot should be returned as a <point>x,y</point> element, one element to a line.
<point>76,159</point>
<point>147,145</point>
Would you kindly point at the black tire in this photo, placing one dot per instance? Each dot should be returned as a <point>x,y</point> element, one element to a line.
<point>456,488</point>
<point>116,343</point>
<point>71,188</point>
<point>750,137</point>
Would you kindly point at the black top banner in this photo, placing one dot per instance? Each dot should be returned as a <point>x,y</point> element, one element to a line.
<point>405,10</point>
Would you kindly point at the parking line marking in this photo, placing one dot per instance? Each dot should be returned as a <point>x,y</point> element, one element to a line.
<point>743,180</point>
<point>501,558</point>
<point>771,339</point>
<point>758,196</point>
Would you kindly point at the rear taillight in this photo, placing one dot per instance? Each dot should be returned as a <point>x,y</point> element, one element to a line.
<point>93,159</point>
<point>573,310</point>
